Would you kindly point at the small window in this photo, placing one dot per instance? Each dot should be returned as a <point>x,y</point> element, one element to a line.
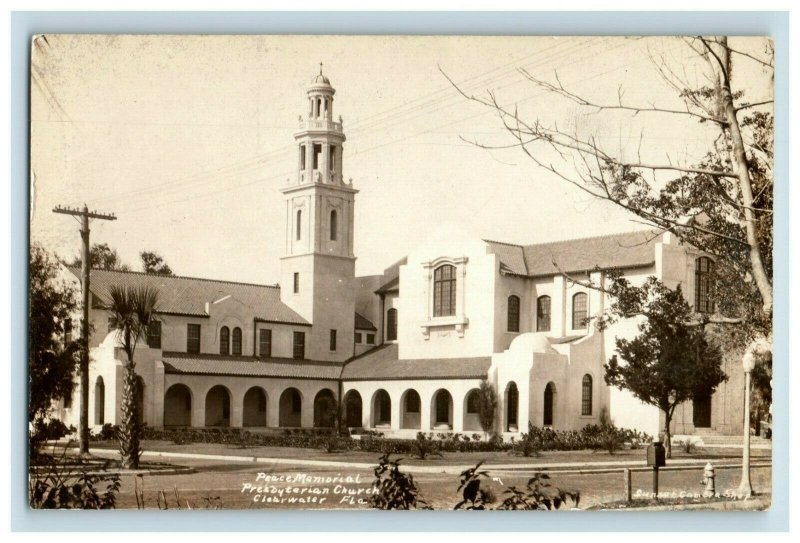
<point>237,341</point>
<point>358,338</point>
<point>192,338</point>
<point>370,339</point>
<point>67,331</point>
<point>703,271</point>
<point>224,340</point>
<point>296,282</point>
<point>543,314</point>
<point>444,291</point>
<point>333,225</point>
<point>332,344</point>
<point>580,311</point>
<point>299,345</point>
<point>265,343</point>
<point>298,227</point>
<point>473,402</point>
<point>586,395</point>
<point>333,158</point>
<point>391,324</point>
<point>513,313</point>
<point>154,335</point>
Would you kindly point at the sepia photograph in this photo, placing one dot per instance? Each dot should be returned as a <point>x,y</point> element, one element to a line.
<point>388,272</point>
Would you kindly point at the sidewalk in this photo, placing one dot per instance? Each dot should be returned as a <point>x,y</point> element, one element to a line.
<point>558,467</point>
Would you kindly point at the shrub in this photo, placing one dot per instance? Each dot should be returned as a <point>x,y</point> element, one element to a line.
<point>530,443</point>
<point>394,489</point>
<point>474,495</point>
<point>487,406</point>
<point>424,447</point>
<point>538,494</point>
<point>57,483</point>
<point>106,433</point>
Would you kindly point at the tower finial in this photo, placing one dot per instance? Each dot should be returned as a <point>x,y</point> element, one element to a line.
<point>320,68</point>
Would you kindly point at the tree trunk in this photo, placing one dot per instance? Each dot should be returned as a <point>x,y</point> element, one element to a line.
<point>739,156</point>
<point>667,435</point>
<point>129,430</point>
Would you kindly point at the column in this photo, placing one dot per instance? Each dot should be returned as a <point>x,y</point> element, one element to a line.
<point>425,410</point>
<point>459,398</point>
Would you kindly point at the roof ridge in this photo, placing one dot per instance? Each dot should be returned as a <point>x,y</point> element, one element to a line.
<point>555,242</point>
<point>503,243</point>
<point>182,277</point>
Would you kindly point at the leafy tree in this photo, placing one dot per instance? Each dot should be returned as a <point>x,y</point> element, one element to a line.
<point>487,407</point>
<point>103,257</point>
<point>51,361</point>
<point>132,309</point>
<point>153,263</point>
<point>721,205</point>
<point>671,359</point>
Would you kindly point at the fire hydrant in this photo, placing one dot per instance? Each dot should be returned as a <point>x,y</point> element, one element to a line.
<point>708,480</point>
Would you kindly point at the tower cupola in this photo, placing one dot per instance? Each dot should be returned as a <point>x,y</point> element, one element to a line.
<point>320,138</point>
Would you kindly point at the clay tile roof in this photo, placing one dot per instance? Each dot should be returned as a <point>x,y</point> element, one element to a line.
<point>363,323</point>
<point>210,364</point>
<point>628,250</point>
<point>189,295</point>
<point>512,257</point>
<point>382,363</point>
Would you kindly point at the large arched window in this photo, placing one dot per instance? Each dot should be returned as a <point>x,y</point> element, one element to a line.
<point>543,314</point>
<point>586,395</point>
<point>298,228</point>
<point>580,311</point>
<point>444,291</point>
<point>334,225</point>
<point>224,340</point>
<point>703,269</point>
<point>237,341</point>
<point>513,314</point>
<point>391,324</point>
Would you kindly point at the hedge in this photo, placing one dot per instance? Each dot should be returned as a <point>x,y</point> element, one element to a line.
<point>590,437</point>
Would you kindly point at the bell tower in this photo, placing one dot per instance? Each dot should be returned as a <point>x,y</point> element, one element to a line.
<point>318,268</point>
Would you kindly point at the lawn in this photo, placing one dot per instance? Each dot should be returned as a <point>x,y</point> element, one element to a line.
<point>223,484</point>
<point>231,484</point>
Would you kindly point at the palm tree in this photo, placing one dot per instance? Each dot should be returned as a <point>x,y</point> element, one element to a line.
<point>132,309</point>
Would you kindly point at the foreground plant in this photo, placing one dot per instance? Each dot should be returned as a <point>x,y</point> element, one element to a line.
<point>65,483</point>
<point>395,489</point>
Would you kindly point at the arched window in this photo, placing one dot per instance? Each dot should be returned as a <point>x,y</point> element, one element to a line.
<point>391,324</point>
<point>444,291</point>
<point>473,402</point>
<point>513,313</point>
<point>237,341</point>
<point>99,402</point>
<point>549,401</point>
<point>543,314</point>
<point>224,340</point>
<point>299,226</point>
<point>333,225</point>
<point>580,311</point>
<point>703,269</point>
<point>586,395</point>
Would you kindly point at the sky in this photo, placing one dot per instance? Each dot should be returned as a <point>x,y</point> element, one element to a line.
<point>188,139</point>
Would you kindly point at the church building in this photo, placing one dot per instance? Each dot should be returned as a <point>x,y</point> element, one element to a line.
<point>403,351</point>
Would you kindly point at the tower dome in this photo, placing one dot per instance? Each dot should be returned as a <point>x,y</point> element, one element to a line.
<point>320,79</point>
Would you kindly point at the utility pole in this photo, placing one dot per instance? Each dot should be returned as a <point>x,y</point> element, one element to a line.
<point>85,215</point>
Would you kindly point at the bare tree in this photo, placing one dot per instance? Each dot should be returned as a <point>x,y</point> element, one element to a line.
<point>722,205</point>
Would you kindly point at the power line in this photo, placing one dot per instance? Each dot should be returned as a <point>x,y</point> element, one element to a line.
<point>261,159</point>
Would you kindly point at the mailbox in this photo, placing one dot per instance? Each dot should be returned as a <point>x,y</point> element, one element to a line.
<point>656,455</point>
